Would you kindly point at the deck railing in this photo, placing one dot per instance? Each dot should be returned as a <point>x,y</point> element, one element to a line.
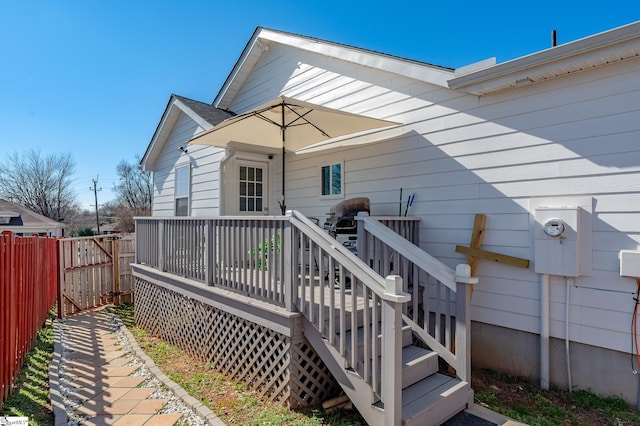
<point>439,311</point>
<point>290,261</point>
<point>238,253</point>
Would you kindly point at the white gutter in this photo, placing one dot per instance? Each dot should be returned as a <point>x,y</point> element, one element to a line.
<point>567,52</point>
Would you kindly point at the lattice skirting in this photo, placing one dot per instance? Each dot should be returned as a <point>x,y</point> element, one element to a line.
<point>280,368</point>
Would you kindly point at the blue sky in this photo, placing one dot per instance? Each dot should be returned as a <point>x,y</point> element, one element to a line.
<point>93,78</point>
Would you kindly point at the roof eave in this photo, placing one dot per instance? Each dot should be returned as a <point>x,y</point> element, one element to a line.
<point>249,57</point>
<point>149,156</point>
<point>597,50</point>
<point>160,136</point>
<point>262,37</point>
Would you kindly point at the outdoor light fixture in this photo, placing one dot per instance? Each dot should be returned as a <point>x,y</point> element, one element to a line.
<point>183,149</point>
<point>523,82</point>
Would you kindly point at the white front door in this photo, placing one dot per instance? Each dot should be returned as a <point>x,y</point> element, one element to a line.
<point>252,195</point>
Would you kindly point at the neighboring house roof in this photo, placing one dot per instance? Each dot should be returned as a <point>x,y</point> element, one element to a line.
<point>202,113</point>
<point>587,53</point>
<point>15,218</point>
<point>262,38</point>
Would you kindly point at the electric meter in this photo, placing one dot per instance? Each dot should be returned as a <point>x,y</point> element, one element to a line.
<point>553,227</point>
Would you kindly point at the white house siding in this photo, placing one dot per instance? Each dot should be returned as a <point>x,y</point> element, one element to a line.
<point>205,176</point>
<point>571,139</point>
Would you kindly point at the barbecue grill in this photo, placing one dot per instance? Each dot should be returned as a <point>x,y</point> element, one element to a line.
<point>341,223</point>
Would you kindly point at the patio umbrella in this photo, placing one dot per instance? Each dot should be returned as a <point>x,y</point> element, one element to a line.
<point>286,124</point>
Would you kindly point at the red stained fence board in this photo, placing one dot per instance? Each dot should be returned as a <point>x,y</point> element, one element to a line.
<point>28,287</point>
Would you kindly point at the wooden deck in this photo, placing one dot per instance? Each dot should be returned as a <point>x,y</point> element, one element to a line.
<point>374,324</point>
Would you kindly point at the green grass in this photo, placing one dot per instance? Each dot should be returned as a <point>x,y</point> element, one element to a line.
<point>31,395</point>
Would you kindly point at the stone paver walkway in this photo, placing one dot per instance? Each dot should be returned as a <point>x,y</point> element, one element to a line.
<point>99,376</point>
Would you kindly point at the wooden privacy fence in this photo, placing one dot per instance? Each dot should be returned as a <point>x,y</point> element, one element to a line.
<point>94,271</point>
<point>28,282</point>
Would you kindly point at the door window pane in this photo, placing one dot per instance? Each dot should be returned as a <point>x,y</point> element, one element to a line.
<point>250,189</point>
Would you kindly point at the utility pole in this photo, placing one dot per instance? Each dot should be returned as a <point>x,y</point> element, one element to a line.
<point>95,190</point>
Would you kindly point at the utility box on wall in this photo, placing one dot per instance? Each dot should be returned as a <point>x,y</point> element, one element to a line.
<point>629,263</point>
<point>560,236</point>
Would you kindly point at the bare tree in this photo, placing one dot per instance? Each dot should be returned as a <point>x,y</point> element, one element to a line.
<point>40,183</point>
<point>134,192</point>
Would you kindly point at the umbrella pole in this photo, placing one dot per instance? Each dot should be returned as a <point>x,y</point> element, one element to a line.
<point>283,207</point>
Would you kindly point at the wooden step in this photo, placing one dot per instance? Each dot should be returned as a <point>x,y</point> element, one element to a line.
<point>417,364</point>
<point>434,400</point>
<point>428,397</point>
<point>407,338</point>
<point>348,314</point>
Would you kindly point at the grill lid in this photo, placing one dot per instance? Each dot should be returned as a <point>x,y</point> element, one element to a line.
<point>341,216</point>
<point>350,207</point>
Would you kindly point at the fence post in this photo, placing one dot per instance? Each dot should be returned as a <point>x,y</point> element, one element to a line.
<point>115,259</point>
<point>138,231</point>
<point>61,265</point>
<point>463,320</point>
<point>393,297</point>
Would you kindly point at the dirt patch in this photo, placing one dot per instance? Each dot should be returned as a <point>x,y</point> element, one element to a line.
<point>526,402</point>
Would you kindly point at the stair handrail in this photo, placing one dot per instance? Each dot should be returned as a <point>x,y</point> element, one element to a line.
<point>388,289</point>
<point>458,281</point>
<point>414,253</point>
<point>368,276</point>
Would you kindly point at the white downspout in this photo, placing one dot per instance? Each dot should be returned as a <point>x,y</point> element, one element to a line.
<point>544,331</point>
<point>228,153</point>
<point>566,335</point>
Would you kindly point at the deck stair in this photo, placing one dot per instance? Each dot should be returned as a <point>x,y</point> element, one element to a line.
<point>428,397</point>
<point>348,306</point>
